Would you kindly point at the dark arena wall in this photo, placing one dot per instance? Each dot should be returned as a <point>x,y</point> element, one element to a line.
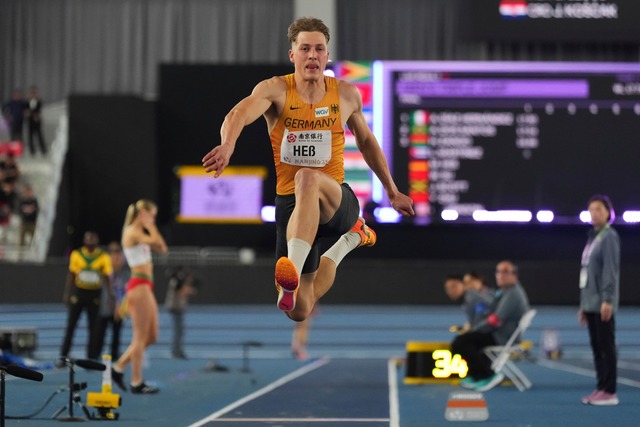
<point>406,266</point>
<point>123,148</point>
<point>359,281</point>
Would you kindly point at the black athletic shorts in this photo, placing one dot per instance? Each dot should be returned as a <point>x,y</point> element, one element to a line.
<point>344,218</point>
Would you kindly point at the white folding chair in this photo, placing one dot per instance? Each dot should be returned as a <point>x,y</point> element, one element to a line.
<point>500,355</point>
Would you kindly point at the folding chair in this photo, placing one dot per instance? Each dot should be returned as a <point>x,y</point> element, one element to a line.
<point>500,355</point>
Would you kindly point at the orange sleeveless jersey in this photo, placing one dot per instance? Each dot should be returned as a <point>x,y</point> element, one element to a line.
<point>308,136</point>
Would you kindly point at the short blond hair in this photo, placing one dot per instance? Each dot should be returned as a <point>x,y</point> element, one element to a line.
<point>306,24</point>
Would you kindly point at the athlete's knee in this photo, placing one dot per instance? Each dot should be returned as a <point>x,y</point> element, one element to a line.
<point>306,178</point>
<point>137,349</point>
<point>151,339</point>
<point>296,316</point>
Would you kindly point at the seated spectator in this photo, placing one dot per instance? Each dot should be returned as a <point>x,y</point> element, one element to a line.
<point>28,210</point>
<point>476,281</point>
<point>8,194</point>
<point>474,296</point>
<point>454,288</point>
<point>10,167</point>
<point>479,294</point>
<point>7,203</point>
<point>5,210</point>
<point>510,304</point>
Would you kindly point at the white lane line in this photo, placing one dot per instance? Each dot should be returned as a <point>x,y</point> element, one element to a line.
<point>582,371</point>
<point>268,388</point>
<point>628,365</point>
<point>303,420</point>
<point>394,406</point>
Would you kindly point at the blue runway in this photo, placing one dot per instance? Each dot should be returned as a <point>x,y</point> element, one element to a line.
<point>323,391</point>
<point>355,376</point>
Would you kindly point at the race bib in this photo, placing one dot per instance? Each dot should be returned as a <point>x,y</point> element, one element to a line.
<point>306,148</point>
<point>89,277</point>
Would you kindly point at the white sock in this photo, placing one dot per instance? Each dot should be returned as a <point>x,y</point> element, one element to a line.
<point>298,250</point>
<point>345,244</point>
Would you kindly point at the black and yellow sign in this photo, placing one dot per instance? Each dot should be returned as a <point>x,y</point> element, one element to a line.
<point>432,362</point>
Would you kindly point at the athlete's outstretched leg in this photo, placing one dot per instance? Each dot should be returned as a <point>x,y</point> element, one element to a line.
<point>317,198</point>
<point>314,286</point>
<point>359,235</point>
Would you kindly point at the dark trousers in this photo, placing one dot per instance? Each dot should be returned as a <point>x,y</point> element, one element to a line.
<point>603,343</point>
<point>470,346</point>
<point>100,333</point>
<point>26,229</point>
<point>15,132</point>
<point>178,332</point>
<point>35,131</point>
<point>81,300</point>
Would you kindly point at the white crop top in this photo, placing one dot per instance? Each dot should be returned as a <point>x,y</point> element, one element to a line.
<point>139,254</point>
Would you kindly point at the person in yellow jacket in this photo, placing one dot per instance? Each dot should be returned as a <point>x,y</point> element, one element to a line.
<point>306,113</point>
<point>89,269</point>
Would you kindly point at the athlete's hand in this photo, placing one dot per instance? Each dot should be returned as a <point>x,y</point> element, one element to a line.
<point>217,159</point>
<point>606,311</point>
<point>402,204</point>
<point>582,318</point>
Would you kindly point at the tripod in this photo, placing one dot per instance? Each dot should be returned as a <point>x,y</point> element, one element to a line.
<point>75,388</point>
<point>16,371</point>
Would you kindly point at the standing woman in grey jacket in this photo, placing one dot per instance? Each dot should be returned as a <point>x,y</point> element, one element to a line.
<point>599,295</point>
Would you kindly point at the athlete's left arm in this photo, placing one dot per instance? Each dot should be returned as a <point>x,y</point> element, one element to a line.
<point>107,272</point>
<point>370,149</point>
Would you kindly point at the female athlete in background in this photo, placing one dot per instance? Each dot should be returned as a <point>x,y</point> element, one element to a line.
<point>140,237</point>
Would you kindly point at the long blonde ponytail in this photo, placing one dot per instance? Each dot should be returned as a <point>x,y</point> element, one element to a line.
<point>130,216</point>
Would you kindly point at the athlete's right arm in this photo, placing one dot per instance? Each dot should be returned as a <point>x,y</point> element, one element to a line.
<point>149,236</point>
<point>242,114</point>
<point>154,239</point>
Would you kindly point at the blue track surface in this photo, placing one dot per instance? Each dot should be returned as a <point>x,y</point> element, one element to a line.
<point>355,376</point>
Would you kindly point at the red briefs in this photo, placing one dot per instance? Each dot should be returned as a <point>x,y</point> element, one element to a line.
<point>139,281</point>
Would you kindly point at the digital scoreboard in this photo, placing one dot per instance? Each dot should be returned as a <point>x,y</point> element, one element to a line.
<point>471,140</point>
<point>555,21</point>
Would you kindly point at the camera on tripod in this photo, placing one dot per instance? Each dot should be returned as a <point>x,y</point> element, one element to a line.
<point>104,401</point>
